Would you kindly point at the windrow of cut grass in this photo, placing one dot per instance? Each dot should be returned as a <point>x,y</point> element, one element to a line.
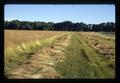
<point>99,35</point>
<point>109,34</point>
<point>103,47</point>
<point>82,61</point>
<point>107,66</point>
<point>14,57</point>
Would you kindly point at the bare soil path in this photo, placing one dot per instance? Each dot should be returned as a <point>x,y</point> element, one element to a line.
<point>41,64</point>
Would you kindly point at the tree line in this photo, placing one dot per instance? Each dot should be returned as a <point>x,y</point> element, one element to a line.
<point>61,26</point>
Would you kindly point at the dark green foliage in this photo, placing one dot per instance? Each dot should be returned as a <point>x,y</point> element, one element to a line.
<point>62,26</point>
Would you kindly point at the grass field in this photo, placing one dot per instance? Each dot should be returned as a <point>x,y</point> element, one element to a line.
<point>15,37</point>
<point>52,54</point>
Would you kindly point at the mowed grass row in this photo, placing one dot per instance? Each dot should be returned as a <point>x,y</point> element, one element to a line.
<point>109,34</point>
<point>103,39</point>
<point>106,64</point>
<point>103,46</point>
<point>82,61</point>
<point>14,57</point>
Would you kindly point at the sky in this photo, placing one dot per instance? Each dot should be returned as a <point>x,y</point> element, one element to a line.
<point>57,13</point>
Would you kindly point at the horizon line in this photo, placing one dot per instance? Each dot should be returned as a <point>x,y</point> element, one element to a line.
<point>60,21</point>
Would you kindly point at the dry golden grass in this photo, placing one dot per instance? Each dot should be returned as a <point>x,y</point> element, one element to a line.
<point>15,37</point>
<point>33,65</point>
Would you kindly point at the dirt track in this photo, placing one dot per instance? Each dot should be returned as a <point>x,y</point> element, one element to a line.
<point>41,64</point>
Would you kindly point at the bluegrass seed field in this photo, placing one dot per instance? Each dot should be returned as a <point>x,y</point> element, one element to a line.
<point>59,55</point>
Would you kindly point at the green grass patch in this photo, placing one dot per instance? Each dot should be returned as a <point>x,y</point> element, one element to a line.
<point>82,61</point>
